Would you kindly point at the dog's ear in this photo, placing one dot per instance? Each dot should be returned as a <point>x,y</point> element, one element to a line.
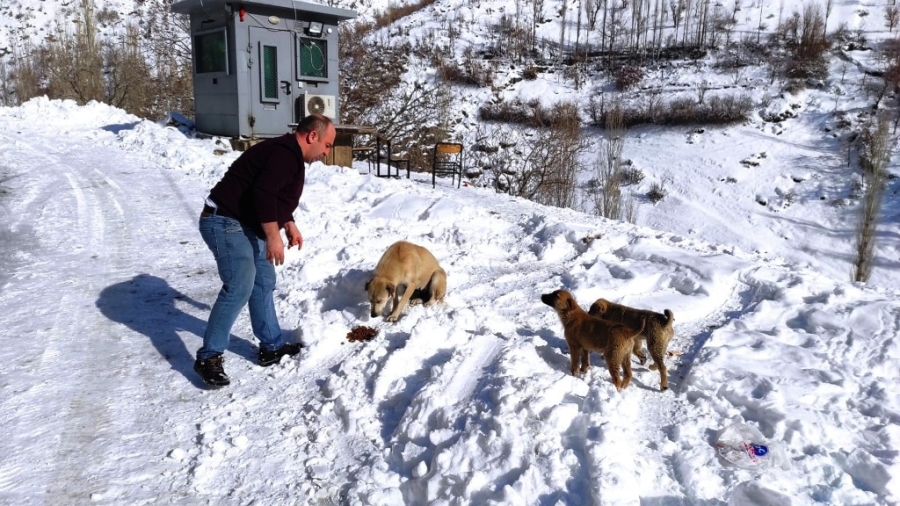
<point>367,284</point>
<point>390,289</point>
<point>570,303</point>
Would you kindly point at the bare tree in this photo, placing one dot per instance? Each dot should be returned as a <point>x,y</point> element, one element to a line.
<point>759,26</point>
<point>547,173</point>
<point>7,90</point>
<point>26,72</point>
<point>73,64</point>
<point>606,191</point>
<point>128,75</point>
<point>592,10</point>
<point>891,16</point>
<point>875,156</point>
<point>677,8</point>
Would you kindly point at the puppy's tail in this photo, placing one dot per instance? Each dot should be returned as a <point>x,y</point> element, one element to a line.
<point>669,317</point>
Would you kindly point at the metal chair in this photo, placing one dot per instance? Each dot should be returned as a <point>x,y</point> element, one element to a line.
<point>447,161</point>
<point>383,153</point>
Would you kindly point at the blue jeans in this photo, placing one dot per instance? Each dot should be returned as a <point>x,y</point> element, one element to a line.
<point>247,278</point>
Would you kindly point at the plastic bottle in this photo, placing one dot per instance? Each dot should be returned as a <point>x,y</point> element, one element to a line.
<point>743,446</point>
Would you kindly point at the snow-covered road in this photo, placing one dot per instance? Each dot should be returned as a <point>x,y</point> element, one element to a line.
<point>81,229</point>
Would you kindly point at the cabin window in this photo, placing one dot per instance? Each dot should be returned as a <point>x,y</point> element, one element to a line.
<point>211,50</point>
<point>313,56</point>
<point>269,72</point>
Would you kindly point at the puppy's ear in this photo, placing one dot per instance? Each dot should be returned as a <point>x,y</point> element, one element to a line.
<point>390,289</point>
<point>570,303</point>
<point>367,284</point>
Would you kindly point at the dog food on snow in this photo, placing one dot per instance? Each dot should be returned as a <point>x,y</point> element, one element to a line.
<point>361,333</point>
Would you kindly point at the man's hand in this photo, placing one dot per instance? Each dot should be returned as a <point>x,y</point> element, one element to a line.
<point>293,235</point>
<point>274,244</point>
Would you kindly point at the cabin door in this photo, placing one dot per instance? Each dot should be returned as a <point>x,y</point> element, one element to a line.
<point>272,81</point>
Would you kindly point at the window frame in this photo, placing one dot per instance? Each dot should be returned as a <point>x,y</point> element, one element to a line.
<point>223,30</point>
<point>262,75</point>
<point>298,44</point>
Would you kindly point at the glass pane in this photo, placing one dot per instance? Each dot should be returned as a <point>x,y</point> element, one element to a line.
<point>210,51</point>
<point>313,58</point>
<point>270,72</point>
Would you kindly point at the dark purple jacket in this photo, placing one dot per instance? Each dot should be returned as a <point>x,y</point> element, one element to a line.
<point>264,184</point>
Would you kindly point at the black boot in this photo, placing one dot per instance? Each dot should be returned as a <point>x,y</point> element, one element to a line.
<point>267,358</point>
<point>211,371</point>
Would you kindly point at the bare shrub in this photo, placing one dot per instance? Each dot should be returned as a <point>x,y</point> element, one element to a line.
<point>532,113</point>
<point>680,111</point>
<point>630,175</point>
<point>657,192</point>
<point>874,156</point>
<point>530,73</point>
<point>629,210</point>
<point>473,72</point>
<point>628,77</point>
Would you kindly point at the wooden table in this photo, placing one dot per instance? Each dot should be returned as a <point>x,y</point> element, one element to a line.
<point>342,151</point>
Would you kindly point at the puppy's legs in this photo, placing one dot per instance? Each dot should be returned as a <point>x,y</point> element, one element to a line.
<point>626,366</point>
<point>613,365</point>
<point>399,305</point>
<point>574,359</point>
<point>437,287</point>
<point>585,360</point>
<point>659,363</point>
<point>638,349</point>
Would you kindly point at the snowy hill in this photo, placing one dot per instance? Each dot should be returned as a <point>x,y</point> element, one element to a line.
<point>751,186</point>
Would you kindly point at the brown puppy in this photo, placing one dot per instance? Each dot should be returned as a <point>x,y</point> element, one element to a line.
<point>585,334</point>
<point>657,332</point>
<point>405,268</point>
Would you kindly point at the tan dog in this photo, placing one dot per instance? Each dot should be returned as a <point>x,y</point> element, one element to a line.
<point>657,332</point>
<point>403,269</point>
<point>585,334</point>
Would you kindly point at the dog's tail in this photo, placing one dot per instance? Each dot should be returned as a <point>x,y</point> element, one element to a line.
<point>669,317</point>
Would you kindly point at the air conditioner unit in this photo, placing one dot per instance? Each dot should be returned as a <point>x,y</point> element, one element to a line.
<point>319,104</point>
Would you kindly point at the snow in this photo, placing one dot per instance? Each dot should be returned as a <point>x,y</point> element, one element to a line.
<point>106,285</point>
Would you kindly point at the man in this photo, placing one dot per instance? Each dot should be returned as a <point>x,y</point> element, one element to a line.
<point>241,223</point>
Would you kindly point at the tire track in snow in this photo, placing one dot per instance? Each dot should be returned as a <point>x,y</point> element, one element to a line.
<point>50,267</point>
<point>84,223</point>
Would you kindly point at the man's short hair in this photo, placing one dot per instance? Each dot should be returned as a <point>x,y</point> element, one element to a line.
<point>314,123</point>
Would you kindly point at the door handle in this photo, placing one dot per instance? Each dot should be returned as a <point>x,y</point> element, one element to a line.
<point>286,87</point>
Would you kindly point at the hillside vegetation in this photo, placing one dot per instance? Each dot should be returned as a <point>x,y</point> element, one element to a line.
<point>541,92</point>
